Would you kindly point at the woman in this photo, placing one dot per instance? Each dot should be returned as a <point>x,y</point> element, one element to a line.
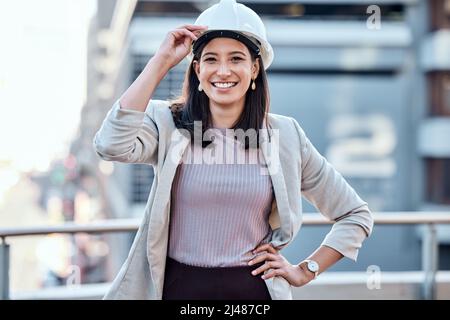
<point>214,224</point>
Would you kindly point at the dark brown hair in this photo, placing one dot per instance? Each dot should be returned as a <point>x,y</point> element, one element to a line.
<point>193,105</point>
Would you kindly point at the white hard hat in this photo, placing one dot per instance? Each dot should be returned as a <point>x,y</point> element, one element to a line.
<point>234,20</point>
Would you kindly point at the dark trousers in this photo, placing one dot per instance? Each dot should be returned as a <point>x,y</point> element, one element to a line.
<point>185,282</point>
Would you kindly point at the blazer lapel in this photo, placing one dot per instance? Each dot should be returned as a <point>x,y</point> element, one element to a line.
<point>281,212</point>
<point>159,217</point>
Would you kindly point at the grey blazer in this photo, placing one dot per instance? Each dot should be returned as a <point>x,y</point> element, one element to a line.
<point>296,169</point>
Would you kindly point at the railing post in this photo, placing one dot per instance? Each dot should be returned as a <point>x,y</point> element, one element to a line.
<point>429,261</point>
<point>4,270</point>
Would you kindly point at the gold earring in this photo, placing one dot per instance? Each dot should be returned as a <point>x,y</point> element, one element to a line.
<point>253,85</point>
<point>200,87</point>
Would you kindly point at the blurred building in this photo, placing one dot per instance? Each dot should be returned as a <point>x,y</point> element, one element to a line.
<point>372,93</point>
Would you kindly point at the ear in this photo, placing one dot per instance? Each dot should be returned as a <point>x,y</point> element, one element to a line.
<point>255,68</point>
<point>196,66</point>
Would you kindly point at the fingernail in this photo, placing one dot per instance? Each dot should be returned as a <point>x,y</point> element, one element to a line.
<point>250,263</point>
<point>263,277</point>
<point>253,272</point>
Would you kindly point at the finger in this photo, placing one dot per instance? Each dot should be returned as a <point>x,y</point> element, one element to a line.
<point>266,246</point>
<point>188,34</point>
<point>192,27</point>
<point>183,33</point>
<point>270,248</point>
<point>271,274</point>
<point>266,266</point>
<point>263,257</point>
<point>198,33</point>
<point>261,248</point>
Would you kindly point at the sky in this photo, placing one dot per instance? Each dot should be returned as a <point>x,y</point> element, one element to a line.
<point>42,79</point>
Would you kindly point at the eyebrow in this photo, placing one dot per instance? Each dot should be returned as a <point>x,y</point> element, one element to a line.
<point>233,52</point>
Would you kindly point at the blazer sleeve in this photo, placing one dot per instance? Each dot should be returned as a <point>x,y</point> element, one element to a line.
<point>325,188</point>
<point>128,136</point>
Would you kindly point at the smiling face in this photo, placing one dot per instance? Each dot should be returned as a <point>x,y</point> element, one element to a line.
<point>225,71</point>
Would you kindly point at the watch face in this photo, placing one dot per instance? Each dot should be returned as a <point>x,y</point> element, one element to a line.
<point>313,266</point>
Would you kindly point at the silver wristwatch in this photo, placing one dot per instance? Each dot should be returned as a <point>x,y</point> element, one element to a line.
<point>312,266</point>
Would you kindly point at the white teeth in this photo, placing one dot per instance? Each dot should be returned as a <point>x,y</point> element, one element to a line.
<point>224,84</point>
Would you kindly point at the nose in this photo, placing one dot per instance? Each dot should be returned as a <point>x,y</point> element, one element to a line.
<point>223,69</point>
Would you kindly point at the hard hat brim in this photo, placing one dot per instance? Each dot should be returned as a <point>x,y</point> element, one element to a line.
<point>253,44</point>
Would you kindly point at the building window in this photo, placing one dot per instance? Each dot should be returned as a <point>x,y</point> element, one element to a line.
<point>142,179</point>
<point>324,11</point>
<point>439,14</point>
<point>439,87</point>
<point>438,173</point>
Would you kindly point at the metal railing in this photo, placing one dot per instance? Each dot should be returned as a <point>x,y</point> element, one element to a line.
<point>430,244</point>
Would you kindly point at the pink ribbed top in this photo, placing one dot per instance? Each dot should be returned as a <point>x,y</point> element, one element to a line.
<point>219,210</point>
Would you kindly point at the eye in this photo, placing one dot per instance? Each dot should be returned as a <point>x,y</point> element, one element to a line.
<point>236,59</point>
<point>209,59</point>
